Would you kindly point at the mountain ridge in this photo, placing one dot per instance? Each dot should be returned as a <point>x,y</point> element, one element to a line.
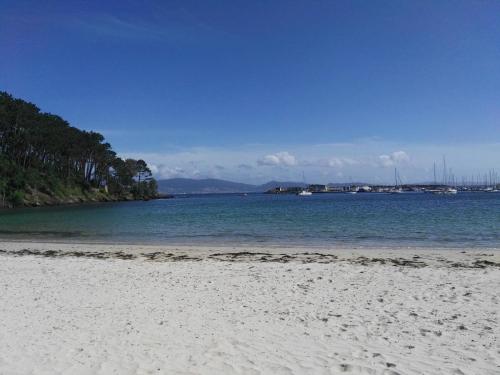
<point>213,185</point>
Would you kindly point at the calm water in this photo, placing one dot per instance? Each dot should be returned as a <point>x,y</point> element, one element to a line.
<point>464,220</point>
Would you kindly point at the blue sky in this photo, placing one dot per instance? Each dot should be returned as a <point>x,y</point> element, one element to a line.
<point>258,90</point>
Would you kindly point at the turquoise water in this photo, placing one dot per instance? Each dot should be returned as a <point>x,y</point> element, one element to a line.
<point>420,220</point>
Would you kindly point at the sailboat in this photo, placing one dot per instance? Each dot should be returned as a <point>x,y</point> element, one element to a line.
<point>396,189</point>
<point>353,190</point>
<point>304,192</point>
<point>447,190</point>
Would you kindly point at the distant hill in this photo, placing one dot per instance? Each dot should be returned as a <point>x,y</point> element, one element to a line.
<point>207,185</point>
<point>212,185</point>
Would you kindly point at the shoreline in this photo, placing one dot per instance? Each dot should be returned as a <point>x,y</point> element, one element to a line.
<point>274,246</point>
<point>77,202</point>
<point>132,309</point>
<point>137,248</point>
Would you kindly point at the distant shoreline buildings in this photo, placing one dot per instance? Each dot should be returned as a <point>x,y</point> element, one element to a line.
<point>389,189</point>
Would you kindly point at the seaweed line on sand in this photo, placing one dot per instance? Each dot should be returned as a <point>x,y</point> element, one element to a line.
<point>246,256</point>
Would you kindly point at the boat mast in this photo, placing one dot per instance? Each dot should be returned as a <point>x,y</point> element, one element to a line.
<point>435,179</point>
<point>445,179</point>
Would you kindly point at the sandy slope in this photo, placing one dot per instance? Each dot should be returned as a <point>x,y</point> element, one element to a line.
<point>251,314</point>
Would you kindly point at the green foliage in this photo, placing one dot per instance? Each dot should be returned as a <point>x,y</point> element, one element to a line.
<point>17,198</point>
<point>41,152</point>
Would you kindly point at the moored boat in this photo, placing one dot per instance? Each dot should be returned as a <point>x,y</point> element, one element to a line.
<point>304,193</point>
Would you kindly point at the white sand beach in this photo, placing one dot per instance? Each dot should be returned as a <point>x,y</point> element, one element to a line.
<point>122,309</point>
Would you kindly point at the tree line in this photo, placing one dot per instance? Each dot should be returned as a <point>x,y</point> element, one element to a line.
<point>43,152</point>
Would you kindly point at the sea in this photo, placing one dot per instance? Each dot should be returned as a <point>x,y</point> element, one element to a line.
<point>413,220</point>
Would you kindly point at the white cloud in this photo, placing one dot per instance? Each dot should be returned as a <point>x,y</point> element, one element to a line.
<point>333,162</point>
<point>394,159</point>
<point>280,158</point>
<point>341,162</point>
<point>163,171</point>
